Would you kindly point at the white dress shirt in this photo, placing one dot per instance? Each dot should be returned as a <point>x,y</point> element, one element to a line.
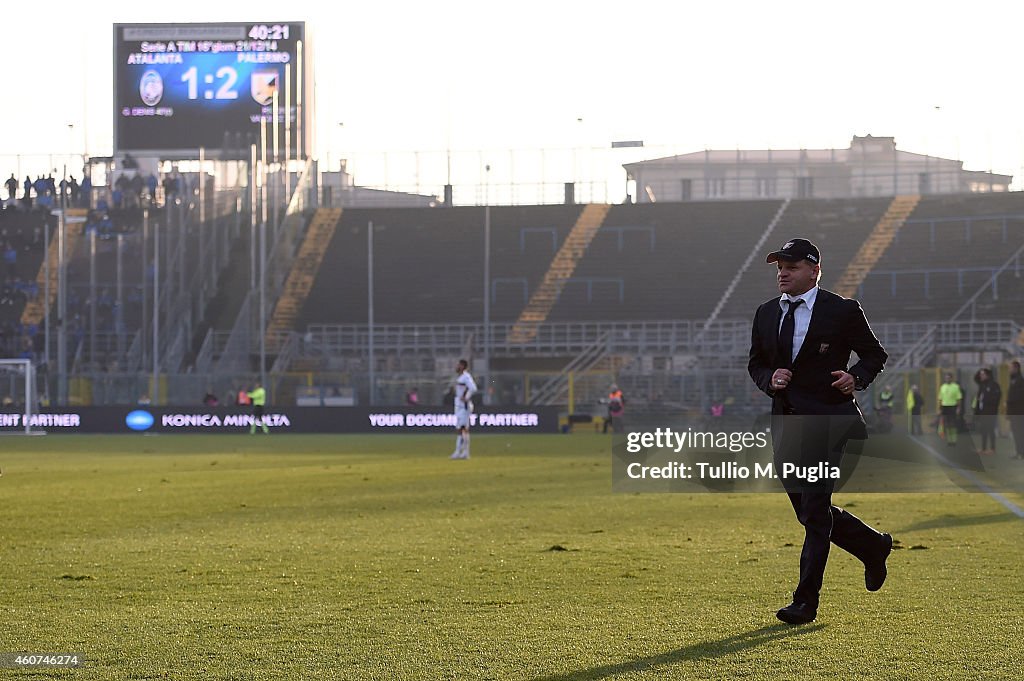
<point>801,318</point>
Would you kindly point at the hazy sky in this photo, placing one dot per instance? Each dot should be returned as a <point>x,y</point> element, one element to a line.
<point>939,77</point>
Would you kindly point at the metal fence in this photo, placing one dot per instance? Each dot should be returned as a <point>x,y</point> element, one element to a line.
<point>655,362</point>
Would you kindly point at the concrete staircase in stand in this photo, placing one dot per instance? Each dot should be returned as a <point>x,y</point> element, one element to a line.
<point>302,275</point>
<point>35,310</point>
<point>878,241</point>
<point>562,266</point>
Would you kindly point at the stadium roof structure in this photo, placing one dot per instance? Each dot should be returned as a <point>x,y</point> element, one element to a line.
<point>870,166</point>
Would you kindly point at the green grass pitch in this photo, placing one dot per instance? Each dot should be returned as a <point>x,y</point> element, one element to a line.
<point>349,557</point>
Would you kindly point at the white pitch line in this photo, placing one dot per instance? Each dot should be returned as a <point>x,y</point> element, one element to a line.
<point>973,479</point>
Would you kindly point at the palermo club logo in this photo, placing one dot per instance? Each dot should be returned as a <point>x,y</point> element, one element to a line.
<point>139,420</point>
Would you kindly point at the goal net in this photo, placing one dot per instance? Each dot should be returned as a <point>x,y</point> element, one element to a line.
<point>19,400</point>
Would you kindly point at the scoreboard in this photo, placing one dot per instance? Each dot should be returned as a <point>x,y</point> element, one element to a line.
<point>178,87</point>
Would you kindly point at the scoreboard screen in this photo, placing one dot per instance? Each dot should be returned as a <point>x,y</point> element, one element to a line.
<point>178,87</point>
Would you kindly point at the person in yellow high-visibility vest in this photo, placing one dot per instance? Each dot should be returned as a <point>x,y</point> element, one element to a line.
<point>950,398</point>
<point>259,398</point>
<point>915,402</point>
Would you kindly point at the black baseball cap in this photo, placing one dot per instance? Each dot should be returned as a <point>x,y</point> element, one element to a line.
<point>796,249</point>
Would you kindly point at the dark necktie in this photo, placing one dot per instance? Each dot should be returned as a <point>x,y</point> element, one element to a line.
<point>786,334</point>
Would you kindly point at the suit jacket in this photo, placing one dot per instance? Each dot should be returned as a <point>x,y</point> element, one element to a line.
<point>837,328</point>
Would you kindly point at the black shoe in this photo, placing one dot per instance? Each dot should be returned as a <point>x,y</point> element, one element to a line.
<point>874,571</point>
<point>797,613</point>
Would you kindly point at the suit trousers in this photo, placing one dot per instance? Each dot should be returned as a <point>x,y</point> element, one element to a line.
<point>1017,427</point>
<point>806,441</point>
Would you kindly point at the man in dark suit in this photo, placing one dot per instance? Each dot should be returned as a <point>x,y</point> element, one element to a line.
<point>799,356</point>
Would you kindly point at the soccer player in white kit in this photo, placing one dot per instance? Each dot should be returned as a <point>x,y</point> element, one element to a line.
<point>465,388</point>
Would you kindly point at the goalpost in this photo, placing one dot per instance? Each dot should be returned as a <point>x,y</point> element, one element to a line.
<point>18,392</point>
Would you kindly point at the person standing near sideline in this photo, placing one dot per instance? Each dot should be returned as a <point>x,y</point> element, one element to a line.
<point>1015,408</point>
<point>986,410</point>
<point>915,402</point>
<point>259,398</point>
<point>616,409</point>
<point>950,398</point>
<point>800,351</point>
<point>465,388</point>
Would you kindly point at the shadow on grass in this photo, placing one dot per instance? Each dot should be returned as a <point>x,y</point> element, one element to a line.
<point>697,651</point>
<point>960,521</point>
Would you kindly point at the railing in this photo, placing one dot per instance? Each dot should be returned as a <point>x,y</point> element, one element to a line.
<point>722,340</point>
<point>173,355</point>
<point>553,391</point>
<point>288,350</point>
<point>243,340</point>
<point>755,252</point>
<point>133,358</point>
<point>236,350</point>
<point>921,349</point>
<point>188,308</point>
<point>991,283</point>
<point>285,242</point>
<point>204,357</point>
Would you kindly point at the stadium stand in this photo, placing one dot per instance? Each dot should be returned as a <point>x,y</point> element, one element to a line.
<point>304,270</point>
<point>875,245</point>
<point>838,226</point>
<point>642,264</point>
<point>654,270</point>
<point>35,310</point>
<point>949,249</point>
<point>428,264</point>
<point>672,261</point>
<point>22,238</point>
<point>562,266</point>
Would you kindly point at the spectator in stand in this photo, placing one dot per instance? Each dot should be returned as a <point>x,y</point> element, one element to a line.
<point>151,187</point>
<point>27,199</point>
<point>412,398</point>
<point>74,189</point>
<point>11,259</point>
<point>106,227</point>
<point>7,293</point>
<point>86,192</point>
<point>91,222</point>
<point>169,188</point>
<point>12,187</point>
<point>135,190</point>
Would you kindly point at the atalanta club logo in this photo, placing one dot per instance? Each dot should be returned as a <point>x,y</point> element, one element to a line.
<point>151,88</point>
<point>139,420</point>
